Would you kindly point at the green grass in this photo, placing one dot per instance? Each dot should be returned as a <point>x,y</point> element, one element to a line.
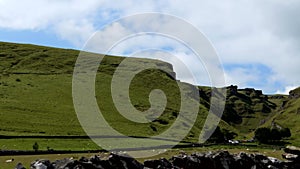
<point>36,99</point>
<point>38,104</point>
<point>36,96</point>
<point>56,144</point>
<point>290,117</point>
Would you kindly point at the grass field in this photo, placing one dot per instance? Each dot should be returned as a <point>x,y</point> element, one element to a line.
<point>56,144</point>
<point>36,100</point>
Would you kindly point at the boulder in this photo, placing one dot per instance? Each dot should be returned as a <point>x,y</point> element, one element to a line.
<point>161,163</point>
<point>292,150</point>
<point>185,161</point>
<point>243,158</point>
<point>20,166</point>
<point>124,162</point>
<point>275,163</point>
<point>290,157</point>
<point>80,165</point>
<point>41,164</point>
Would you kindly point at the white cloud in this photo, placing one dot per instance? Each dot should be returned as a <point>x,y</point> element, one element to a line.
<point>286,90</point>
<point>81,31</point>
<point>250,32</point>
<point>72,20</point>
<point>243,32</point>
<point>187,68</point>
<point>164,33</point>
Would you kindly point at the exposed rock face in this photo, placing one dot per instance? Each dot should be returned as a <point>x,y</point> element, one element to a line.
<point>232,90</point>
<point>252,92</point>
<point>294,94</point>
<point>209,160</point>
<point>292,154</point>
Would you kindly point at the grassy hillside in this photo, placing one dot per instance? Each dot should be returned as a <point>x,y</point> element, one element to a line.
<point>288,115</point>
<point>35,90</point>
<point>36,99</point>
<point>36,95</point>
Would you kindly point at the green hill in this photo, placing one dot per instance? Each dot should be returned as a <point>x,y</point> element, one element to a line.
<point>288,115</point>
<point>36,100</point>
<point>36,96</point>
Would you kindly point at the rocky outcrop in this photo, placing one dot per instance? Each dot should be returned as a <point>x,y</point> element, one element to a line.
<point>294,94</point>
<point>252,92</point>
<point>232,90</point>
<point>292,154</point>
<point>209,160</point>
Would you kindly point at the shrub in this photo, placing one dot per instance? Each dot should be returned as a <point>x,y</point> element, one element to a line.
<point>285,132</point>
<point>262,135</point>
<point>221,135</point>
<point>266,135</point>
<point>35,147</point>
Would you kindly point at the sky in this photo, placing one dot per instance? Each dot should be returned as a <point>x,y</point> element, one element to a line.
<point>258,42</point>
